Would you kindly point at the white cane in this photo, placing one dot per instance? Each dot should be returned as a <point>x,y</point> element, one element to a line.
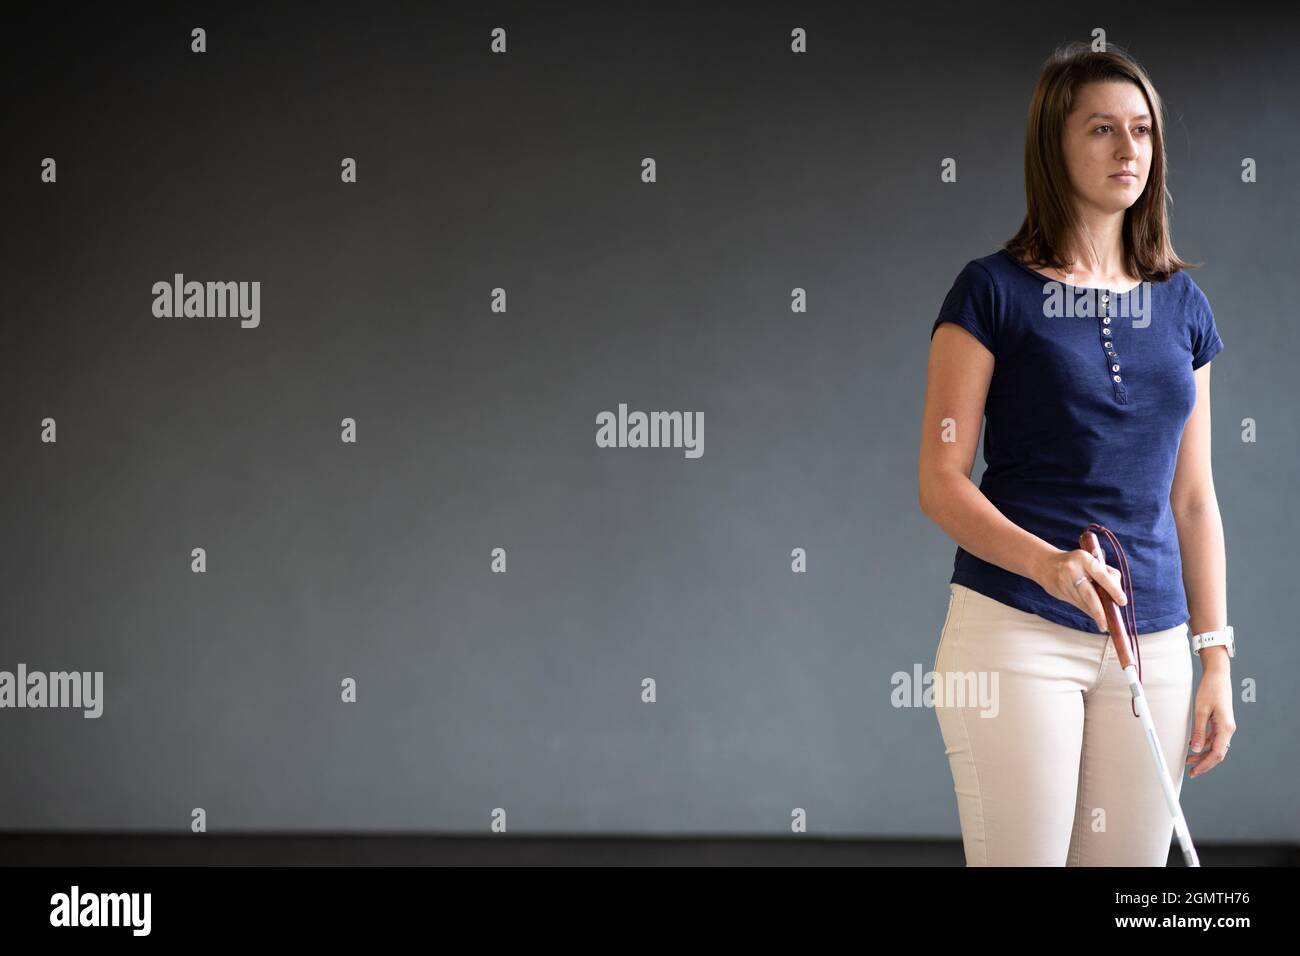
<point>1123,650</point>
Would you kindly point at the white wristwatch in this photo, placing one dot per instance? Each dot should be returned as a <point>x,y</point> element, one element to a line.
<point>1214,639</point>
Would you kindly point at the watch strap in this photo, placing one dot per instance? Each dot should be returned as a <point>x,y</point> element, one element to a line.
<point>1222,637</point>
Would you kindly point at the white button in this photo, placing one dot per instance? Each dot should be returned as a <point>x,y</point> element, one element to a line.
<point>1106,297</point>
<point>1115,377</point>
<point>1106,320</point>
<point>1114,368</point>
<point>1105,331</point>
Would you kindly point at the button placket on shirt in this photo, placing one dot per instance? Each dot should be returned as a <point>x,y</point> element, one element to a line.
<point>1108,346</point>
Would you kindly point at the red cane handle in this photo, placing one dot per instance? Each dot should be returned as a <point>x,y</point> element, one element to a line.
<point>1114,623</point>
<point>1119,635</point>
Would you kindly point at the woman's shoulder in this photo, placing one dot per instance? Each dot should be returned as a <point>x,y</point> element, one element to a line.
<point>996,261</point>
<point>985,271</point>
<point>1187,293</point>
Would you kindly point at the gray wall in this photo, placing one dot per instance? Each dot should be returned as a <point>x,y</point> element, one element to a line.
<point>476,429</point>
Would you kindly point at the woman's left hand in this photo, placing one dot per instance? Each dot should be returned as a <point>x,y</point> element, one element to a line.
<point>1213,707</point>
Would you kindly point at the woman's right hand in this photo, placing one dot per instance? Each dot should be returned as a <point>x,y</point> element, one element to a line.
<point>1060,571</point>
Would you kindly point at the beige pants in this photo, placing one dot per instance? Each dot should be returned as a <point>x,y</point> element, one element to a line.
<point>1049,764</point>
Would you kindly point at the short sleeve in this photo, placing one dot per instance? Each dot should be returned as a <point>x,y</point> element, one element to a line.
<point>1205,334</point>
<point>970,304</point>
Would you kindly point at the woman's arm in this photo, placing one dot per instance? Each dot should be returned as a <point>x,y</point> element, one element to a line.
<point>1200,527</point>
<point>1200,539</point>
<point>957,386</point>
<point>958,377</point>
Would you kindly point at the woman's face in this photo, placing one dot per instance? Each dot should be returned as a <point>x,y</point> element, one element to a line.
<point>1108,132</point>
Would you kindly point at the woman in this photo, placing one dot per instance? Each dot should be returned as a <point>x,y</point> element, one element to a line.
<point>1087,350</point>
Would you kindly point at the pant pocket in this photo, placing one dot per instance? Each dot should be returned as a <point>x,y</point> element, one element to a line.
<point>947,623</point>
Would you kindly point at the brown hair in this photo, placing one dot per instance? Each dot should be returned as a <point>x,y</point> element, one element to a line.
<point>1050,219</point>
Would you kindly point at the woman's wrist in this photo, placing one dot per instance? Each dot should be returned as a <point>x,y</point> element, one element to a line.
<point>1041,561</point>
<point>1215,658</point>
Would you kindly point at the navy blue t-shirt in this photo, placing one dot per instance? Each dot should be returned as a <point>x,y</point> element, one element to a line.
<point>1085,413</point>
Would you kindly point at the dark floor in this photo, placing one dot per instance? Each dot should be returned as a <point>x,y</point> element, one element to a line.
<point>62,849</point>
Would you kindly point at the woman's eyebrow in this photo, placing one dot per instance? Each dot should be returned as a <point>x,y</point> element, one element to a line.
<point>1111,116</point>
